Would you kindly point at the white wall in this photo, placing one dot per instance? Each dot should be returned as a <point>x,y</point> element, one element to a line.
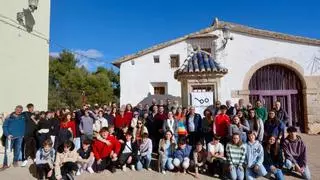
<point>239,56</point>
<point>24,58</point>
<point>135,79</point>
<point>245,51</point>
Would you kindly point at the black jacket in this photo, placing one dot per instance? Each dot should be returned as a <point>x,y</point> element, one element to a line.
<point>282,115</point>
<point>31,127</point>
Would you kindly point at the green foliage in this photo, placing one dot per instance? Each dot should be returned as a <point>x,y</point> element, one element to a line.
<point>70,85</point>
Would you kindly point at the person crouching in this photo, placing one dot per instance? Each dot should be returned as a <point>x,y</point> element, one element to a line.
<point>65,165</point>
<point>129,151</point>
<point>181,155</point>
<point>45,159</point>
<point>105,153</point>
<point>86,157</point>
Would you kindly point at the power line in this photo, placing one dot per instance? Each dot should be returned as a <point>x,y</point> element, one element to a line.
<point>16,25</point>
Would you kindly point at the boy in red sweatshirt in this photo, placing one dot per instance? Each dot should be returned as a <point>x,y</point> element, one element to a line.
<point>106,152</point>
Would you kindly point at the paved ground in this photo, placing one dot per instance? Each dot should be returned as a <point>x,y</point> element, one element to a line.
<point>313,146</point>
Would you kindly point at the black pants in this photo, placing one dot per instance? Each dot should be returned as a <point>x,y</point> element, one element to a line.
<point>29,147</point>
<point>217,167</point>
<point>124,157</point>
<point>42,170</point>
<point>68,167</point>
<point>106,163</point>
<point>207,137</point>
<point>193,138</point>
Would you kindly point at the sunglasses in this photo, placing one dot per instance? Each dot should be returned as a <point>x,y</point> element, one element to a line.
<point>139,123</point>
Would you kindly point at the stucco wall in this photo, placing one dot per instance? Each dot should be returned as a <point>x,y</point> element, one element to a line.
<point>24,58</point>
<point>244,52</point>
<point>136,79</point>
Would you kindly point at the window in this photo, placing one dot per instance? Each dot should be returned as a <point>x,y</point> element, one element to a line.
<point>156,59</point>
<point>159,90</point>
<point>208,50</point>
<point>175,61</point>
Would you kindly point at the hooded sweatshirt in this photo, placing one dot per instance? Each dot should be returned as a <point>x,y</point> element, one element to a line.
<point>183,153</point>
<point>254,154</point>
<point>295,151</point>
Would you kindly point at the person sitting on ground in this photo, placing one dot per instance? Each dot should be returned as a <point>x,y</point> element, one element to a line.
<point>235,153</point>
<point>144,153</point>
<point>295,153</point>
<point>167,146</point>
<point>254,158</point>
<point>215,156</point>
<point>45,160</point>
<point>273,160</point>
<point>105,153</point>
<point>129,151</point>
<point>65,165</point>
<point>86,157</point>
<point>199,159</point>
<point>181,155</point>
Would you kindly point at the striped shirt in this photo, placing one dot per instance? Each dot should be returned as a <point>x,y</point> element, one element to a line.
<point>235,154</point>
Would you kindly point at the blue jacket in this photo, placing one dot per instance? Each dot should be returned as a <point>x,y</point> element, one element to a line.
<point>182,153</point>
<point>197,122</point>
<point>14,126</point>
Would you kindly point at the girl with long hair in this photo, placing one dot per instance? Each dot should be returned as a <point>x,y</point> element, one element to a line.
<point>256,124</point>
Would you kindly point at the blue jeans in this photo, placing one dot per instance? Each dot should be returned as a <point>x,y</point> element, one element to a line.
<point>77,143</point>
<point>236,173</point>
<point>305,175</point>
<point>277,173</point>
<point>166,163</point>
<point>251,174</point>
<point>16,144</point>
<point>144,161</point>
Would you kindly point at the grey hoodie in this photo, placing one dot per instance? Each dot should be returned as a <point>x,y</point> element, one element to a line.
<point>255,154</point>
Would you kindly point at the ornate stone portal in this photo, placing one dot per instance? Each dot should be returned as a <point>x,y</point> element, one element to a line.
<point>199,73</point>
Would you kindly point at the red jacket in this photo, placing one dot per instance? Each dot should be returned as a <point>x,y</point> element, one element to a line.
<point>71,124</point>
<point>122,121</point>
<point>222,122</point>
<point>102,150</point>
<point>129,115</point>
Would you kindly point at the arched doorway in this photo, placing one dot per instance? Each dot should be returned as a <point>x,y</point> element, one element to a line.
<point>277,82</point>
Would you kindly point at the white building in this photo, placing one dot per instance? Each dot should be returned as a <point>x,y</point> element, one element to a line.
<point>261,65</point>
<point>24,54</point>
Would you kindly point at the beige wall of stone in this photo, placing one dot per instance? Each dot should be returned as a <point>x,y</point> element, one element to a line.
<point>312,103</point>
<point>311,91</point>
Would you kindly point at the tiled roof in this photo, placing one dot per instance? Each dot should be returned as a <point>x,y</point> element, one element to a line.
<point>220,25</point>
<point>198,62</point>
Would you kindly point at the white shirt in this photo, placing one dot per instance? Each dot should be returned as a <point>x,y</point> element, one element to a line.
<point>127,148</point>
<point>218,148</point>
<point>191,125</point>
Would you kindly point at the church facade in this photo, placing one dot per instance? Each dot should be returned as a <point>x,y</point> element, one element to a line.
<point>229,61</point>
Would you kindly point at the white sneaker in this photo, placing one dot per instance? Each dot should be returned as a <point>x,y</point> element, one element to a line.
<point>90,170</point>
<point>149,169</point>
<point>163,172</point>
<point>78,173</point>
<point>124,168</point>
<point>133,168</point>
<point>24,163</point>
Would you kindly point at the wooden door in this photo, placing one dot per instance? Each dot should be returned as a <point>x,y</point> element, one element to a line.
<point>276,82</point>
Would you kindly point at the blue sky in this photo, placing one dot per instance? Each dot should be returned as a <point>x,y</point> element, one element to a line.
<point>109,29</point>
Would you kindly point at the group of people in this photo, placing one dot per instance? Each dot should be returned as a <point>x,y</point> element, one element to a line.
<point>236,142</point>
